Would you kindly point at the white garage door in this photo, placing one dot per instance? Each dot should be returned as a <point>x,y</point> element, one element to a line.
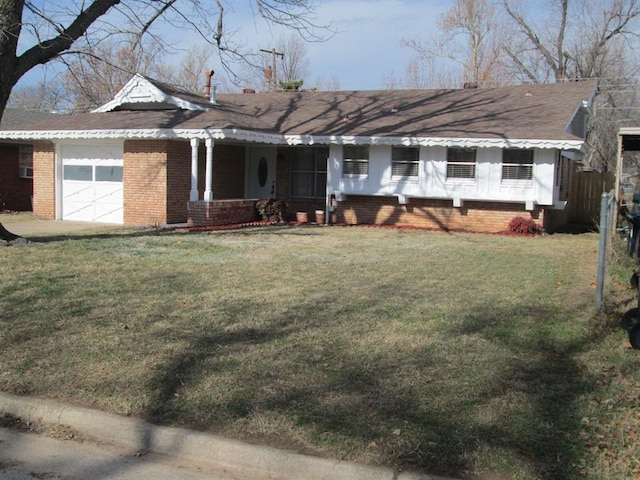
<point>92,183</point>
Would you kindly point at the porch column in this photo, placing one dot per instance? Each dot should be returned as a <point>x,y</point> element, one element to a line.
<point>208,190</point>
<point>194,170</point>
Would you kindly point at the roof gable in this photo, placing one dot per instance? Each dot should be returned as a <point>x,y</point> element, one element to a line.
<point>142,93</point>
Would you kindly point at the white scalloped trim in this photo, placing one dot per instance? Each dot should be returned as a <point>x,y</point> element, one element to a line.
<point>276,139</point>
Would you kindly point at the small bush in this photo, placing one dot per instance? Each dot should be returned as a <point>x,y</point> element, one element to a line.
<point>524,226</point>
<point>272,210</point>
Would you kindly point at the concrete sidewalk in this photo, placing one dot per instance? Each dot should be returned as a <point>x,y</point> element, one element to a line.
<point>236,458</point>
<point>30,456</point>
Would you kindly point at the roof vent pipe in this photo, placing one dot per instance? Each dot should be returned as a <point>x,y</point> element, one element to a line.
<point>210,91</point>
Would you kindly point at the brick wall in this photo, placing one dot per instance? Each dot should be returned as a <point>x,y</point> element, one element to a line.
<point>221,212</point>
<point>44,179</point>
<point>145,182</point>
<point>228,171</point>
<point>487,217</point>
<point>15,192</point>
<point>179,180</point>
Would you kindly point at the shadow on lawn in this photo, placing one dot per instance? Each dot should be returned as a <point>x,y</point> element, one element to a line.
<point>396,406</point>
<point>288,229</point>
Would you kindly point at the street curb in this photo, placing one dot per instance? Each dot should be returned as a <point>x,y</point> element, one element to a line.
<point>232,456</point>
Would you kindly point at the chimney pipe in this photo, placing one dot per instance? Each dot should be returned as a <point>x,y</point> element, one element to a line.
<point>209,91</point>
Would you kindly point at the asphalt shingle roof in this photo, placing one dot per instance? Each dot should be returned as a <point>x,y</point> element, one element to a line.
<point>538,111</point>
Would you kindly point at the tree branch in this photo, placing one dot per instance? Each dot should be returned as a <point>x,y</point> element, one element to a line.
<point>49,49</point>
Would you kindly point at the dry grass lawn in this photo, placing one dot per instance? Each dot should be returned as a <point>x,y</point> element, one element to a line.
<point>467,355</point>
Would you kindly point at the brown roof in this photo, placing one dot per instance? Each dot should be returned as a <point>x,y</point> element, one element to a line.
<point>539,111</point>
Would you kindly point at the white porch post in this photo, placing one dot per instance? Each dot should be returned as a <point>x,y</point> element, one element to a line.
<point>208,191</point>
<point>194,170</point>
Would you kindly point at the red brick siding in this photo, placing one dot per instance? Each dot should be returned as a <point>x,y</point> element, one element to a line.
<point>145,182</point>
<point>228,171</point>
<point>179,180</point>
<point>44,179</point>
<point>487,217</point>
<point>221,212</point>
<point>15,192</point>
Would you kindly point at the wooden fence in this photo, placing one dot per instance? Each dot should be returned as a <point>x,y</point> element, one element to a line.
<point>585,196</point>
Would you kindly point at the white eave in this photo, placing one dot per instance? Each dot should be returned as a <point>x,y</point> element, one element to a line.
<point>279,139</point>
<point>142,93</point>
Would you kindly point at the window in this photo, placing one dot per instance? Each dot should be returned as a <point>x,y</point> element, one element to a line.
<point>461,163</point>
<point>517,164</point>
<point>108,174</point>
<point>355,160</point>
<point>404,161</point>
<point>308,172</point>
<point>82,173</point>
<point>25,160</point>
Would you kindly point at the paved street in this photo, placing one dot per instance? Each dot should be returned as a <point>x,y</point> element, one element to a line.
<point>29,456</point>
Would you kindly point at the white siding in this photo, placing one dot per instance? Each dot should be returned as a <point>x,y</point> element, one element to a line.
<point>432,179</point>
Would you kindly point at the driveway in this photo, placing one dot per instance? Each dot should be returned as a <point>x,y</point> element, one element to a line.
<point>28,225</point>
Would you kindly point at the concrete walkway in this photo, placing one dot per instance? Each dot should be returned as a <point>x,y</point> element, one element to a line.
<point>27,225</point>
<point>229,457</point>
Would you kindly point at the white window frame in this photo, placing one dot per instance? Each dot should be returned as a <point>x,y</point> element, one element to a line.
<point>411,163</point>
<point>469,164</point>
<point>518,166</point>
<point>348,152</point>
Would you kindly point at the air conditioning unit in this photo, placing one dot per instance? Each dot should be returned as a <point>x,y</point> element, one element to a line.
<point>26,172</point>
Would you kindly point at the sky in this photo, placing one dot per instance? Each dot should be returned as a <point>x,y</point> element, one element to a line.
<point>366,45</point>
<point>364,48</point>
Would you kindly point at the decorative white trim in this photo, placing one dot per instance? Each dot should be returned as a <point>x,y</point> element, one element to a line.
<point>278,139</point>
<point>139,90</point>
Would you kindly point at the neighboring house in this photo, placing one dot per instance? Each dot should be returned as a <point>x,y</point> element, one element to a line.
<point>16,162</point>
<point>468,159</point>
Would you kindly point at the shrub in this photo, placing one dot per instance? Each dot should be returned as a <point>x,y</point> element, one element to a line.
<point>524,226</point>
<point>271,210</point>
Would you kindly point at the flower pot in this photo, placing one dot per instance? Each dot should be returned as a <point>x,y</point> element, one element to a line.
<point>302,217</point>
<point>320,217</point>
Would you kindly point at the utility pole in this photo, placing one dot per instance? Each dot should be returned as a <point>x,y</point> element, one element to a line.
<point>273,82</point>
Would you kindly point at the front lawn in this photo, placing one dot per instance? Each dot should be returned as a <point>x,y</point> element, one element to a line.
<point>457,354</point>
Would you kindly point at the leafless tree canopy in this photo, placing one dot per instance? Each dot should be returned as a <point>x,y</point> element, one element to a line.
<point>59,28</point>
<point>496,42</point>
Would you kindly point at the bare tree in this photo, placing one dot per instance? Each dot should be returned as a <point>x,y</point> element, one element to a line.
<point>56,27</point>
<point>468,36</point>
<point>46,96</point>
<point>422,73</point>
<point>327,85</point>
<point>582,39</point>
<point>97,72</point>
<point>295,61</point>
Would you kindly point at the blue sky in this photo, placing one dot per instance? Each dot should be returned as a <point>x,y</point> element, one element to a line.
<point>364,49</point>
<point>366,45</point>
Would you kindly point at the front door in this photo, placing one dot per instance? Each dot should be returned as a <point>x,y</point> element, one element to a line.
<point>262,172</point>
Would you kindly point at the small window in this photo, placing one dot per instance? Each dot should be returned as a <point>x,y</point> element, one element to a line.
<point>517,164</point>
<point>461,163</point>
<point>355,160</point>
<point>83,173</point>
<point>25,160</point>
<point>25,172</point>
<point>404,161</point>
<point>108,174</point>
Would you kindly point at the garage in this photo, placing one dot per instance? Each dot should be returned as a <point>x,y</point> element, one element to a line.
<point>92,189</point>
